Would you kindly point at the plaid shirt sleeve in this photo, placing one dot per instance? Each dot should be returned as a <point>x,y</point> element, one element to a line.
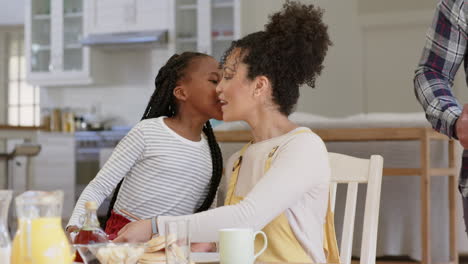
<point>442,55</point>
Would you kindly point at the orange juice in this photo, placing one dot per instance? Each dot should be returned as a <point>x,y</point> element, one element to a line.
<point>42,240</point>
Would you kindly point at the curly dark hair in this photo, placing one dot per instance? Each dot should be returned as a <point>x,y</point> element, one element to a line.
<point>289,52</point>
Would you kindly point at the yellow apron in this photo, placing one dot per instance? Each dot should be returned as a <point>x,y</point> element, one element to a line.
<point>282,243</point>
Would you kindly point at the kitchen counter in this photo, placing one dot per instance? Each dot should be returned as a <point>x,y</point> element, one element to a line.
<point>8,127</point>
<point>28,134</point>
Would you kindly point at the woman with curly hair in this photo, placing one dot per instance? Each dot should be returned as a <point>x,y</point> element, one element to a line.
<point>279,182</point>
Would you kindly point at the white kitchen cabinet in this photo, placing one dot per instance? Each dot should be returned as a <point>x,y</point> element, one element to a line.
<point>53,168</point>
<point>54,54</point>
<point>207,26</point>
<point>116,16</point>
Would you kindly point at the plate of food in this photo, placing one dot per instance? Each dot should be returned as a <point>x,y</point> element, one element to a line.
<point>110,253</point>
<point>152,252</point>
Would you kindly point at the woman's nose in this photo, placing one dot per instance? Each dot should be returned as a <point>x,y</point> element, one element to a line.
<point>219,88</point>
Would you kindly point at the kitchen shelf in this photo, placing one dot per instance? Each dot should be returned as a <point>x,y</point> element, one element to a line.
<point>54,56</point>
<point>210,29</point>
<point>41,48</point>
<point>41,17</point>
<point>223,38</point>
<point>73,46</point>
<point>223,5</point>
<point>73,15</point>
<point>187,7</point>
<point>187,40</point>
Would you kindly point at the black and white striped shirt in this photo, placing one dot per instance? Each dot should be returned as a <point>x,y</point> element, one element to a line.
<point>165,173</point>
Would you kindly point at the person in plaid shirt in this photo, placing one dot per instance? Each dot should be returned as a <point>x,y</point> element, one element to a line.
<point>445,49</point>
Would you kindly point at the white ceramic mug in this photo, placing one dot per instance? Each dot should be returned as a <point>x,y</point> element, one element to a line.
<point>236,246</point>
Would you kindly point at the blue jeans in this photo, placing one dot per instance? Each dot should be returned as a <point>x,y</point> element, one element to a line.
<point>465,213</point>
<point>463,186</point>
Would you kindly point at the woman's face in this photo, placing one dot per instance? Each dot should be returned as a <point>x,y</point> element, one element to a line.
<point>235,90</point>
<point>201,79</point>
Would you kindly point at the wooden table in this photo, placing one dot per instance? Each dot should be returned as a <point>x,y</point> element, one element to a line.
<point>28,134</point>
<point>422,134</point>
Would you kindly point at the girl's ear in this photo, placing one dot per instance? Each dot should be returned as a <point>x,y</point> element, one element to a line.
<point>180,93</point>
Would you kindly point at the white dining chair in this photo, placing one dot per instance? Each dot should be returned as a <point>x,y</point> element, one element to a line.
<point>353,171</point>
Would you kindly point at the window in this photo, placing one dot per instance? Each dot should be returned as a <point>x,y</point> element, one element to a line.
<point>23,99</point>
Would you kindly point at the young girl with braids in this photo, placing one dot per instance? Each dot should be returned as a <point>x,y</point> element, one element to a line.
<point>279,182</point>
<point>165,165</point>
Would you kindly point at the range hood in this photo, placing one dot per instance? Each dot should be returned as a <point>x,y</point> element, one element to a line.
<point>122,39</point>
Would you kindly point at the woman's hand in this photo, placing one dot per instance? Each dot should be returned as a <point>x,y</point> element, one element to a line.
<point>203,247</point>
<point>138,231</point>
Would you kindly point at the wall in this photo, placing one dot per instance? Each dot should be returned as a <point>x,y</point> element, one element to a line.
<point>341,80</point>
<point>377,45</point>
<point>392,44</point>
<point>388,80</point>
<point>12,12</point>
<point>124,84</point>
<point>383,6</point>
<point>3,76</point>
<point>3,107</point>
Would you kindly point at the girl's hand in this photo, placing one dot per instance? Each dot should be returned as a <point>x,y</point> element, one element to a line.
<point>70,230</point>
<point>203,247</point>
<point>138,231</point>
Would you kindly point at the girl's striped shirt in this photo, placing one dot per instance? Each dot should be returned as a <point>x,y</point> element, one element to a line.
<point>164,173</point>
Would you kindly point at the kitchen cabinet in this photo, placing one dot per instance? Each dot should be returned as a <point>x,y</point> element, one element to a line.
<point>116,16</point>
<point>207,26</point>
<point>54,54</point>
<point>53,169</point>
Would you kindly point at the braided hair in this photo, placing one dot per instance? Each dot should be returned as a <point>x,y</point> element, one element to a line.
<point>163,103</point>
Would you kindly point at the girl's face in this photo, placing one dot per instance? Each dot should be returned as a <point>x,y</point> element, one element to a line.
<point>201,79</point>
<point>235,91</point>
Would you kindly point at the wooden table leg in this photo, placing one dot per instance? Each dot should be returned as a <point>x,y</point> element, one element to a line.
<point>453,219</point>
<point>453,193</point>
<point>425,200</point>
